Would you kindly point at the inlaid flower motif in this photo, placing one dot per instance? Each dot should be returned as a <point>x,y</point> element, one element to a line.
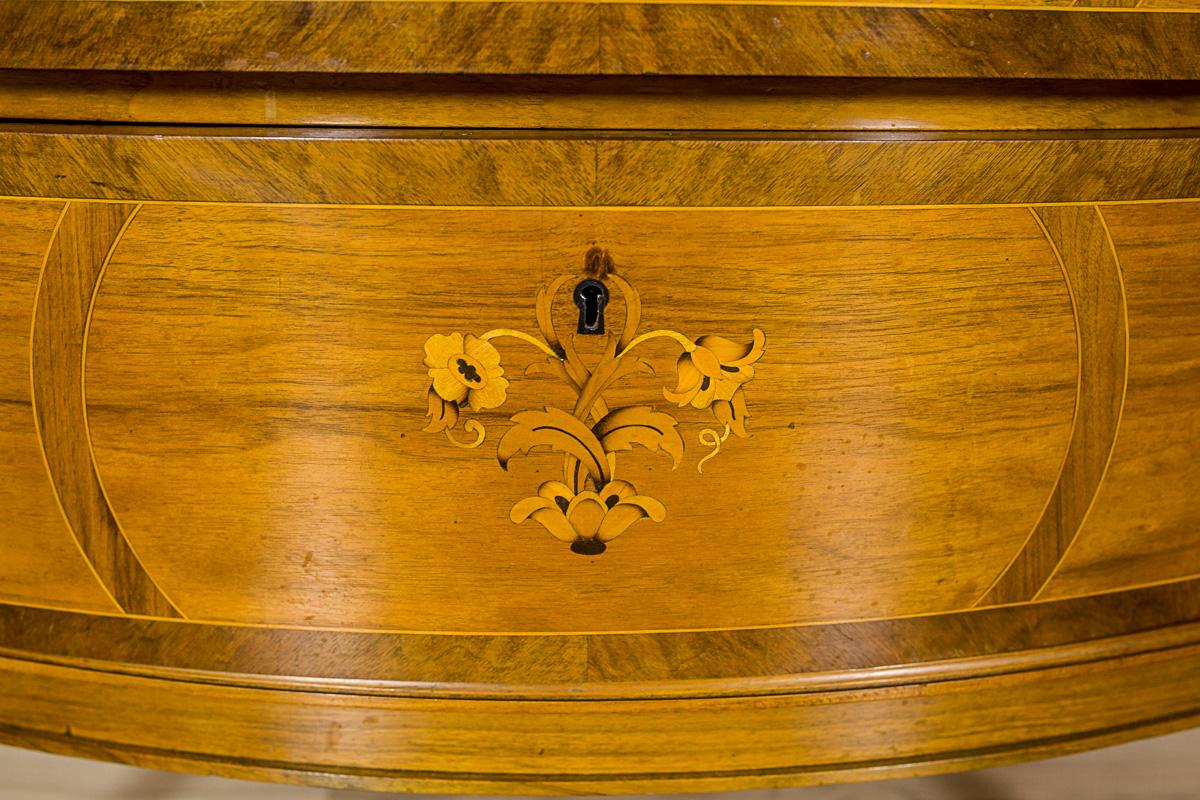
<point>588,519</point>
<point>712,374</point>
<point>589,507</point>
<point>465,371</point>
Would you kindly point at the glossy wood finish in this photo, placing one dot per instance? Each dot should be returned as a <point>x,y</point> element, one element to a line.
<point>599,38</point>
<point>383,167</point>
<point>681,664</point>
<point>1158,479</point>
<point>41,562</point>
<point>142,280</point>
<point>588,746</point>
<point>84,238</point>
<point>290,419</point>
<point>527,168</point>
<point>596,102</point>
<point>285,355</point>
<point>986,169</point>
<point>1082,244</point>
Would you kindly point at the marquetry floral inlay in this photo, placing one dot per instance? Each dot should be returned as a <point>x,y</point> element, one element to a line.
<point>590,506</point>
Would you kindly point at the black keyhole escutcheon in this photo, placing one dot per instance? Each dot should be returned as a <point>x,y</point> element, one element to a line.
<point>591,296</point>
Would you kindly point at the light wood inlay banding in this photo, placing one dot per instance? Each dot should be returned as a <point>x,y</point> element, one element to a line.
<point>292,349</point>
<point>1080,239</point>
<point>78,254</point>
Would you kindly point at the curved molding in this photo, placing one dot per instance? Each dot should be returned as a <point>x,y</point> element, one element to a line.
<point>600,745</point>
<point>895,652</point>
<point>440,101</point>
<point>533,784</point>
<point>1081,242</point>
<point>85,238</point>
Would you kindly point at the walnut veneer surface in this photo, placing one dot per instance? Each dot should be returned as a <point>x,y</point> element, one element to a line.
<point>871,449</point>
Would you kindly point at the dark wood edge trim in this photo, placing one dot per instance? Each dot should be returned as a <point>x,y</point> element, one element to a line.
<point>988,169</point>
<point>341,777</point>
<point>580,169</point>
<point>338,167</point>
<point>606,38</point>
<point>919,674</point>
<point>630,665</point>
<point>896,42</point>
<point>245,133</point>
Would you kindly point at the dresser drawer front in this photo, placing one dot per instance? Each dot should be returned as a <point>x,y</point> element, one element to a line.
<point>500,421</point>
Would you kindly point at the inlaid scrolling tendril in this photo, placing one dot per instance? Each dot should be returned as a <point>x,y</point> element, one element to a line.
<point>590,506</point>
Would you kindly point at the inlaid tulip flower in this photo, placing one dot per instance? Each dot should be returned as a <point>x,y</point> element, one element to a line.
<point>465,371</point>
<point>588,519</point>
<point>711,375</point>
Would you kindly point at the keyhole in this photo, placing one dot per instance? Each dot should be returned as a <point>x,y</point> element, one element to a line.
<point>591,296</point>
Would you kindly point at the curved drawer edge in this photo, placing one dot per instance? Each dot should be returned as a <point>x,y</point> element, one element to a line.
<point>751,662</point>
<point>503,747</point>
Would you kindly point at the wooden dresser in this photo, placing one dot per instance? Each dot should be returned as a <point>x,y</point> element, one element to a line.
<point>597,396</point>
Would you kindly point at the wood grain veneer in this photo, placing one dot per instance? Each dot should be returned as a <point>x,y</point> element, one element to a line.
<point>315,453</point>
<point>1160,281</point>
<point>41,562</point>
<point>603,38</point>
<point>1082,243</point>
<point>84,238</point>
<point>884,463</point>
<point>527,168</point>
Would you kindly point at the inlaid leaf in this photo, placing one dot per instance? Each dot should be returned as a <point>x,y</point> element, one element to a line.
<point>605,374</point>
<point>622,428</point>
<point>557,430</point>
<point>443,414</point>
<point>543,310</point>
<point>733,413</point>
<point>633,309</point>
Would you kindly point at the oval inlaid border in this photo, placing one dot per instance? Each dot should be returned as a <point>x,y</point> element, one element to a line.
<point>83,242</point>
<point>1081,242</point>
<point>119,570</point>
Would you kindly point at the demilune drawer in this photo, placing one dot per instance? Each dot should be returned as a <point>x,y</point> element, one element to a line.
<point>358,454</point>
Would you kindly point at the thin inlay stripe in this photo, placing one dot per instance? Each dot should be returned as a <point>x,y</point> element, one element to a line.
<point>1080,238</point>
<point>86,237</point>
